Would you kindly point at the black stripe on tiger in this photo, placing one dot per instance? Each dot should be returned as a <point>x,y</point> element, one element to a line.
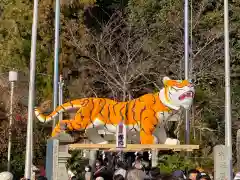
<point>141,112</point>
<point>121,114</point>
<point>133,111</point>
<point>126,111</point>
<point>70,102</point>
<point>114,108</point>
<point>155,113</point>
<point>91,110</point>
<point>102,106</point>
<point>64,109</point>
<point>84,102</point>
<point>154,100</point>
<point>109,114</point>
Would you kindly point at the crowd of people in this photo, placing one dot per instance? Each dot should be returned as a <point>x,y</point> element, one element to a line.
<point>139,170</point>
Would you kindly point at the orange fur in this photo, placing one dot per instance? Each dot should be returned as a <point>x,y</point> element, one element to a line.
<point>142,112</point>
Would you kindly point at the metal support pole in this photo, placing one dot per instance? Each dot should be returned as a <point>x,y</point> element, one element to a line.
<point>29,153</point>
<point>60,86</point>
<point>10,128</point>
<point>12,78</point>
<point>56,58</point>
<point>186,68</point>
<point>228,120</point>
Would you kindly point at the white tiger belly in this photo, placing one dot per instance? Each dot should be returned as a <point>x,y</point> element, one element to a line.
<point>101,128</point>
<point>111,128</point>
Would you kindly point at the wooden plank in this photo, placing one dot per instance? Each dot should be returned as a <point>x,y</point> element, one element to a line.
<point>140,149</point>
<point>134,147</point>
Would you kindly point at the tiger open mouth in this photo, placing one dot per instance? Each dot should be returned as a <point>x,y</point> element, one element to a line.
<point>188,94</point>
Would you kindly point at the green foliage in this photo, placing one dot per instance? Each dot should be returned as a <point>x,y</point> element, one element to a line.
<point>15,29</point>
<point>170,163</point>
<point>77,164</point>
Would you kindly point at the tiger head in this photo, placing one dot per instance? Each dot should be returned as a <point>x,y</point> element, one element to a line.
<point>177,93</point>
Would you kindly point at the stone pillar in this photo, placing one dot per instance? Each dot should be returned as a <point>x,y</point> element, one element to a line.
<point>57,156</point>
<point>63,155</point>
<point>238,149</point>
<point>52,158</point>
<point>220,163</point>
<point>62,172</point>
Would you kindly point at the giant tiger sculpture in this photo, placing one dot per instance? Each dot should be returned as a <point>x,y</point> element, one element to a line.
<point>144,115</point>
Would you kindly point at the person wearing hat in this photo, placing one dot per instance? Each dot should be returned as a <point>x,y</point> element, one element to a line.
<point>179,174</point>
<point>202,176</point>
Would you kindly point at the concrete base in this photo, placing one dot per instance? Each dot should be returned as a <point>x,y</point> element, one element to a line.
<point>63,155</point>
<point>62,172</point>
<point>57,156</point>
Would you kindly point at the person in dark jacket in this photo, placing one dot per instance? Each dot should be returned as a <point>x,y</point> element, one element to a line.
<point>118,177</point>
<point>102,171</point>
<point>41,178</point>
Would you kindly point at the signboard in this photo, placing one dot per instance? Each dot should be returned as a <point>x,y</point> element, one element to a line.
<point>121,139</point>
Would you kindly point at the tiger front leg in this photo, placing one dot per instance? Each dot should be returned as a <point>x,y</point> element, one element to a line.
<point>148,125</point>
<point>170,141</point>
<point>146,137</point>
<point>161,135</point>
<point>94,136</point>
<point>59,127</point>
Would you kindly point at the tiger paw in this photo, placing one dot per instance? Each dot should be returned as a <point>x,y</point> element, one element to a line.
<point>170,141</point>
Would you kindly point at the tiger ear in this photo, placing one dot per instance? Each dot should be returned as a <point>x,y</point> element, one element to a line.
<point>165,79</point>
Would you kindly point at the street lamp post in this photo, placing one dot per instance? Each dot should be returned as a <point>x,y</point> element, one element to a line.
<point>13,76</point>
<point>186,67</point>
<point>56,59</point>
<point>228,109</point>
<point>29,144</point>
